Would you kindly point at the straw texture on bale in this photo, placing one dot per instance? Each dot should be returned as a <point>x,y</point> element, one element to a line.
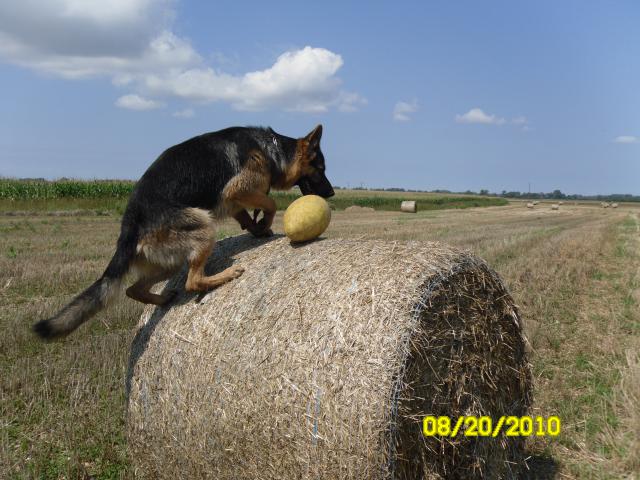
<point>321,361</point>
<point>409,206</point>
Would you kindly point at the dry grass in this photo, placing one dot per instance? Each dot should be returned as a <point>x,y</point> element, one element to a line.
<point>573,272</point>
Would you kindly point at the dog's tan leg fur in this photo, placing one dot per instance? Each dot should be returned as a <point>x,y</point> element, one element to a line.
<point>249,190</point>
<point>140,291</point>
<point>261,201</point>
<point>196,280</point>
<point>257,200</point>
<point>244,219</point>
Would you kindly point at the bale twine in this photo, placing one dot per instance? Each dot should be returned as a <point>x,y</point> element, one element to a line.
<point>409,206</point>
<point>555,206</point>
<point>321,362</point>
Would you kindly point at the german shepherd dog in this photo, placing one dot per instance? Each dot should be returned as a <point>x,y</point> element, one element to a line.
<point>170,217</point>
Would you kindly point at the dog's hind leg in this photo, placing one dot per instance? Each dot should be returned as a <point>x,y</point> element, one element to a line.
<point>196,280</point>
<point>141,290</point>
<point>185,235</point>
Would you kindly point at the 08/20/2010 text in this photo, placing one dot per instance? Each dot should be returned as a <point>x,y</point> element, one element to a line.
<point>473,426</point>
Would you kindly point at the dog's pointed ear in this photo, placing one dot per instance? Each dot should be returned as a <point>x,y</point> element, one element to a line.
<point>313,138</point>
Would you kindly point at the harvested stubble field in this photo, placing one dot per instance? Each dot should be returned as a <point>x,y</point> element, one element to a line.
<point>573,272</point>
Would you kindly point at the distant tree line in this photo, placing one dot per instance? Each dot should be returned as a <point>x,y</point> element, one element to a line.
<point>558,195</point>
<point>555,195</point>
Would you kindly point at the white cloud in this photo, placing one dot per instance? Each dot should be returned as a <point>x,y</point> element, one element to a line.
<point>522,122</point>
<point>626,139</point>
<point>136,102</point>
<point>81,38</point>
<point>300,80</point>
<point>165,51</point>
<point>476,115</point>
<point>131,42</point>
<point>402,110</point>
<point>186,113</point>
<point>106,12</point>
<point>350,101</point>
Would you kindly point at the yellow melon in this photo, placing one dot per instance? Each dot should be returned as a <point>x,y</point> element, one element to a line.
<point>306,218</point>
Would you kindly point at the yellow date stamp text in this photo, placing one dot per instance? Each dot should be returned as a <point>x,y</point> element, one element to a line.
<point>472,426</point>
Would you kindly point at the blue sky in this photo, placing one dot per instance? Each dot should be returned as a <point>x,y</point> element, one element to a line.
<point>450,95</point>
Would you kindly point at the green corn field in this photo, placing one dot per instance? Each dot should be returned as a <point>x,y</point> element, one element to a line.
<point>44,190</point>
<point>112,195</point>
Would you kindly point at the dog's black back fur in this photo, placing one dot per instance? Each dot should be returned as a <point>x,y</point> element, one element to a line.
<point>193,174</point>
<point>186,174</point>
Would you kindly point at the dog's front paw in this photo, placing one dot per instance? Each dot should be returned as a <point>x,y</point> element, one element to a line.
<point>235,271</point>
<point>261,233</point>
<point>262,228</point>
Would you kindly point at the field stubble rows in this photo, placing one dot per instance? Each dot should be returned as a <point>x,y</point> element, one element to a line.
<point>573,273</point>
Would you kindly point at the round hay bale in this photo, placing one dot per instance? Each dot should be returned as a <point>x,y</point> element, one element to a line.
<point>614,205</point>
<point>409,206</point>
<point>529,205</point>
<point>359,209</point>
<point>555,206</point>
<point>321,361</point>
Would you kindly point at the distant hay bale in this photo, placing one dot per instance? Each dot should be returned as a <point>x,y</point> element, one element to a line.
<point>535,202</point>
<point>604,205</point>
<point>560,202</point>
<point>555,206</point>
<point>529,205</point>
<point>614,205</point>
<point>359,209</point>
<point>409,206</point>
<point>321,362</point>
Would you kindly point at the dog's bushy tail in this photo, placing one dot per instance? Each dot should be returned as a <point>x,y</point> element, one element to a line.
<point>94,298</point>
